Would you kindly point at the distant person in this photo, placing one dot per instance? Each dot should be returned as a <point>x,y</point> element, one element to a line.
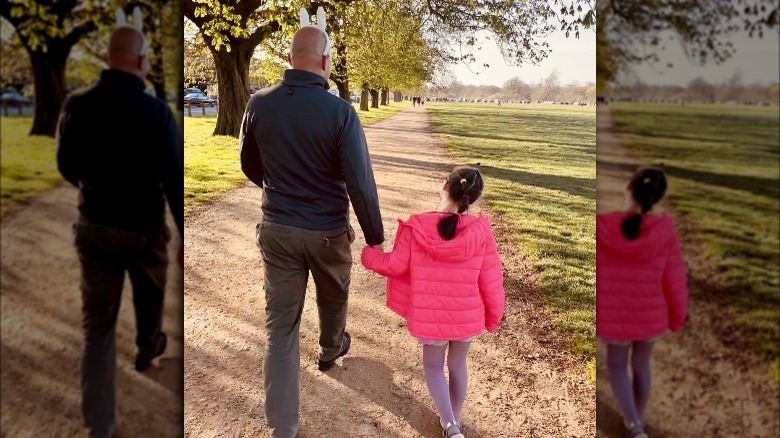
<point>123,150</point>
<point>454,292</point>
<point>306,149</point>
<point>642,290</point>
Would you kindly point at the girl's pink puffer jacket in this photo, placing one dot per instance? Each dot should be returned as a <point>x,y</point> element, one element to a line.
<point>641,285</point>
<point>445,289</point>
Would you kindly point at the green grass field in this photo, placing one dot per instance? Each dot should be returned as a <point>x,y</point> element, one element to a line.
<point>539,164</point>
<point>211,163</point>
<point>27,164</point>
<point>723,164</point>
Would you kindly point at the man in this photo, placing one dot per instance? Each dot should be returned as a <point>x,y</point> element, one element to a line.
<point>123,150</point>
<point>307,150</point>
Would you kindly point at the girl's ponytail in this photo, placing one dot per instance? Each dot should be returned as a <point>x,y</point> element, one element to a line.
<point>447,226</point>
<point>648,186</point>
<point>464,186</point>
<point>630,226</point>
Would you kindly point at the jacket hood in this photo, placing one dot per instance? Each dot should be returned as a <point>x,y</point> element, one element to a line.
<point>470,235</point>
<point>654,234</point>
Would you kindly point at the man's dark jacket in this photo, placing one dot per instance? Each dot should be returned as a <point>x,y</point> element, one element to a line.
<point>122,149</point>
<point>306,148</point>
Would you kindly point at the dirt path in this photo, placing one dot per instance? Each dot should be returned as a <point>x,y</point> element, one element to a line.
<point>703,384</point>
<point>517,387</point>
<point>41,333</point>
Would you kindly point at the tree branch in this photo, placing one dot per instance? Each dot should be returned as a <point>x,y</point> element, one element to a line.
<point>189,12</point>
<point>78,32</point>
<point>262,32</point>
<point>63,7</point>
<point>5,12</point>
<point>246,7</point>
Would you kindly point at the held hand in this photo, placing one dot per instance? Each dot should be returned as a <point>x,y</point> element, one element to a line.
<point>379,247</point>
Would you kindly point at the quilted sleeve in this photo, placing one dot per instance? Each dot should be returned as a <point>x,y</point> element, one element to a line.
<point>675,285</point>
<point>491,285</point>
<point>394,263</point>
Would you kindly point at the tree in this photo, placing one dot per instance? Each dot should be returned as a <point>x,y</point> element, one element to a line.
<point>266,70</point>
<point>232,30</point>
<point>381,57</point>
<point>589,94</point>
<point>82,69</point>
<point>519,28</point>
<point>632,31</point>
<point>515,88</point>
<point>14,62</point>
<point>552,86</point>
<point>48,30</point>
<point>733,87</point>
<point>163,27</point>
<point>199,69</point>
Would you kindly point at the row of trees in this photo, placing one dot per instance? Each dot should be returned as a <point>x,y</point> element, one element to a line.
<point>547,89</point>
<point>375,50</point>
<point>378,45</point>
<point>60,44</point>
<point>732,90</point>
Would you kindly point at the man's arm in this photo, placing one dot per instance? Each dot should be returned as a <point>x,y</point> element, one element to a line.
<point>67,157</point>
<point>251,162</point>
<point>173,168</point>
<point>359,178</point>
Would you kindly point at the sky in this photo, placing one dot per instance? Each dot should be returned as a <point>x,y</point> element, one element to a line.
<point>758,61</point>
<point>575,59</point>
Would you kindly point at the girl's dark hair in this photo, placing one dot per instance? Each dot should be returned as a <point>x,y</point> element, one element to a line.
<point>464,186</point>
<point>647,186</point>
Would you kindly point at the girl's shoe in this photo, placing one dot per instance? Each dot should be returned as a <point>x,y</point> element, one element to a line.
<point>452,430</point>
<point>635,430</point>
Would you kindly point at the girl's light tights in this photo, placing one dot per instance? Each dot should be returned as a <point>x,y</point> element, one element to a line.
<point>632,392</point>
<point>447,396</point>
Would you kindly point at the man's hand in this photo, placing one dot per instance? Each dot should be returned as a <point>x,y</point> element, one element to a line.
<point>379,247</point>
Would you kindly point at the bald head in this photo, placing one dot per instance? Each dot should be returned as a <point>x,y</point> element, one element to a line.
<point>127,51</point>
<point>306,51</point>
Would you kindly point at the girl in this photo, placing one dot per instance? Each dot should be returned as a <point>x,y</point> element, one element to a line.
<point>445,278</point>
<point>641,290</point>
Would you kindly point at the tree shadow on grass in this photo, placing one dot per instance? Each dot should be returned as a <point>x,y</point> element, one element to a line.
<point>410,164</point>
<point>767,187</point>
<point>584,187</point>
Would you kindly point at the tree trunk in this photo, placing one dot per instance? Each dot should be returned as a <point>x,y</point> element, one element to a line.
<point>364,98</point>
<point>385,96</point>
<point>159,88</point>
<point>397,96</point>
<point>156,72</point>
<point>374,98</point>
<point>233,79</point>
<point>49,75</point>
<point>343,87</point>
<point>339,74</point>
